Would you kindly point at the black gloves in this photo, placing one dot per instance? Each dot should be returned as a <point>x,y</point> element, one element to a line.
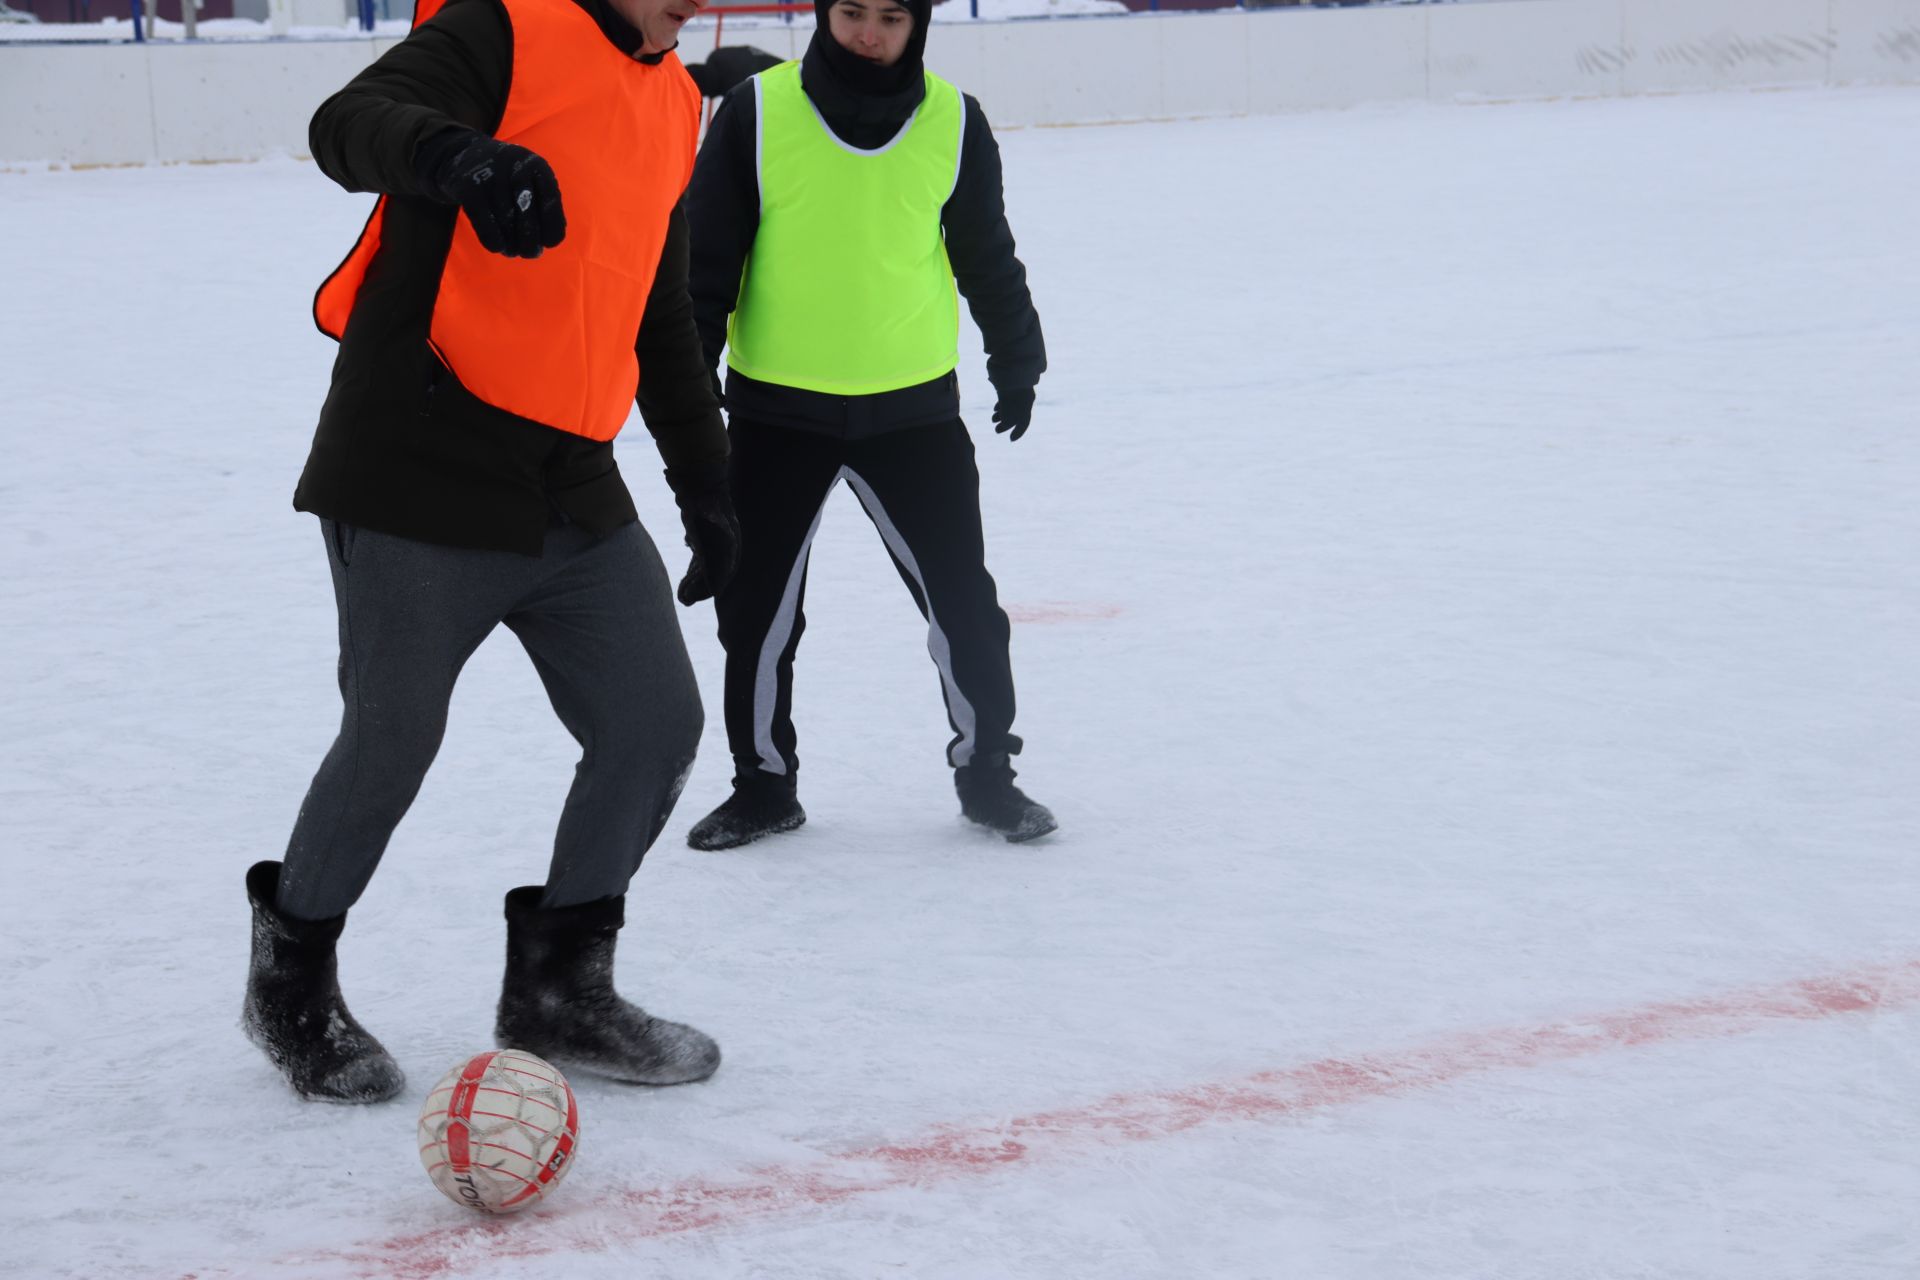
<point>509,194</point>
<point>1013,411</point>
<point>713,530</point>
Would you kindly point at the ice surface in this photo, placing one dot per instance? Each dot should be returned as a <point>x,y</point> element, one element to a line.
<point>1468,568</point>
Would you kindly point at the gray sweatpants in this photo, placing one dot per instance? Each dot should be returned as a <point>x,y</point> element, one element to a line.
<point>596,617</point>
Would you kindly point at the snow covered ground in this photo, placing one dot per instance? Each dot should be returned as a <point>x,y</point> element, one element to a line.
<point>1467,571</point>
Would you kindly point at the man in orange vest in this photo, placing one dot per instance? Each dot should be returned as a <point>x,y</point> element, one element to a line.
<point>523,279</point>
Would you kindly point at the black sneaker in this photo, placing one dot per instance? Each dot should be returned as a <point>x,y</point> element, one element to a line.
<point>761,805</point>
<point>989,798</point>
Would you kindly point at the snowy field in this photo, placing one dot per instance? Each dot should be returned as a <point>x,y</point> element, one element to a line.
<point>1467,575</point>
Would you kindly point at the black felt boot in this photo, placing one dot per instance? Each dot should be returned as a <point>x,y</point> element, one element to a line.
<point>294,1010</point>
<point>558,1000</point>
<point>988,797</point>
<point>762,804</point>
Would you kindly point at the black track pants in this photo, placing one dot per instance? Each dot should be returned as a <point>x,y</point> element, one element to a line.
<point>595,615</point>
<point>921,489</point>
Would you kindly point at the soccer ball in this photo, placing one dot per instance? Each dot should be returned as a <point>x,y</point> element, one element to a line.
<point>499,1131</point>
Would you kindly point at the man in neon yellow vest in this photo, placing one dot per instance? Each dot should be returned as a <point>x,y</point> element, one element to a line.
<point>837,203</point>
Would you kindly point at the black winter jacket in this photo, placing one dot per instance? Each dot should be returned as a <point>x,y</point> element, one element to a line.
<point>723,204</point>
<point>401,446</point>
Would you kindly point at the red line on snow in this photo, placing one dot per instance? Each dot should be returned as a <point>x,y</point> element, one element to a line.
<point>624,1217</point>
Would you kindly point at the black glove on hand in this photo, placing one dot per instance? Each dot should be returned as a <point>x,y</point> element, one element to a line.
<point>1014,411</point>
<point>509,194</point>
<point>713,530</point>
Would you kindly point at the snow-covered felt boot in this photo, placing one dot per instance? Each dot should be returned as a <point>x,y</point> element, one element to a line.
<point>762,804</point>
<point>558,1000</point>
<point>989,798</point>
<point>294,1010</point>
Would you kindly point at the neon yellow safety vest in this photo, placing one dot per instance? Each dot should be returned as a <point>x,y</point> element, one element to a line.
<point>847,289</point>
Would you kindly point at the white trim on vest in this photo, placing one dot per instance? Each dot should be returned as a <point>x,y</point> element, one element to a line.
<point>960,145</point>
<point>799,74</point>
<point>759,146</point>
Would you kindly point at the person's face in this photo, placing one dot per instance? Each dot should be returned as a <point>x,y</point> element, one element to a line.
<point>658,20</point>
<point>876,30</point>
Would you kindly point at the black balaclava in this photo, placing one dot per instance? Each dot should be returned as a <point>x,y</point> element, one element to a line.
<point>863,103</point>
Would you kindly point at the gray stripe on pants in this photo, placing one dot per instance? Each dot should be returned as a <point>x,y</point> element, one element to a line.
<point>962,711</point>
<point>766,675</point>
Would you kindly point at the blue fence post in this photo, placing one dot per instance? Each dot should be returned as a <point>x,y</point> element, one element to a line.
<point>139,11</point>
<point>976,8</point>
<point>366,15</point>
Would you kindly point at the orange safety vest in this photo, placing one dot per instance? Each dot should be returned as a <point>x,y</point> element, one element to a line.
<point>552,338</point>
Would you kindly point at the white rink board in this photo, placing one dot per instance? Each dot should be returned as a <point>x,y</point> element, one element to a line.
<point>1336,58</point>
<point>1875,41</point>
<point>1205,67</point>
<point>39,86</point>
<point>187,80</point>
<point>1676,47</point>
<point>1567,48</point>
<point>172,102</point>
